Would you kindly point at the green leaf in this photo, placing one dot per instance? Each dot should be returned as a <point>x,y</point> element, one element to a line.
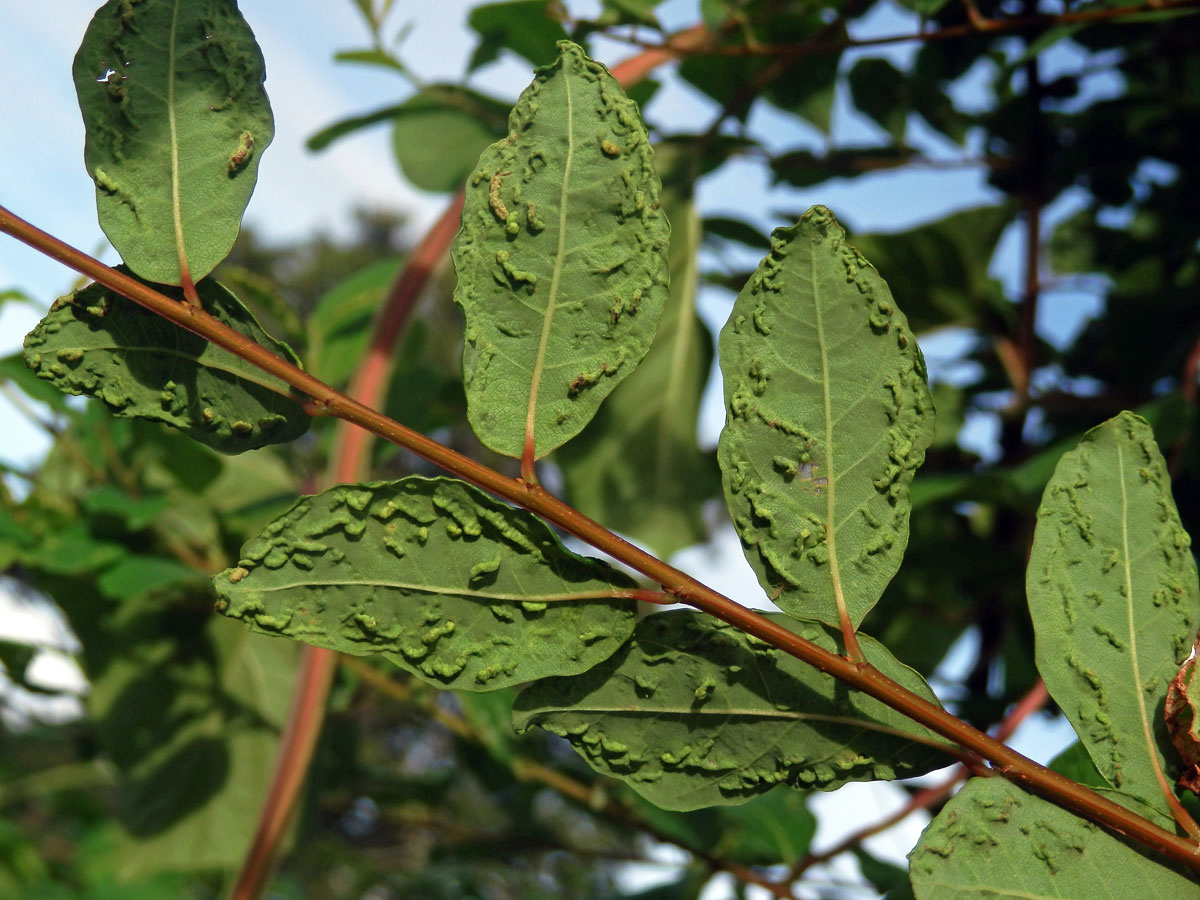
<point>192,721</point>
<point>828,417</point>
<point>98,343</point>
<point>523,26</point>
<point>438,134</point>
<point>637,467</point>
<point>135,512</point>
<point>176,120</point>
<point>772,829</point>
<point>14,369</point>
<point>924,7</point>
<point>881,91</point>
<point>340,325</point>
<point>351,124</point>
<point>694,713</point>
<point>940,269</point>
<point>561,260</point>
<point>994,840</point>
<point>457,588</point>
<point>137,575</point>
<point>1114,599</point>
<point>1076,764</point>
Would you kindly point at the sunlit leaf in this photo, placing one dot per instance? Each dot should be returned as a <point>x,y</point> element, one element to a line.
<point>433,574</point>
<point>994,840</point>
<point>176,119</point>
<point>561,261</point>
<point>828,417</point>
<point>638,467</point>
<point>98,343</point>
<point>693,713</point>
<point>1114,599</point>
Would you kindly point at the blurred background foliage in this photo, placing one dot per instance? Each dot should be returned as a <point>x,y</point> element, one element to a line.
<point>1084,117</point>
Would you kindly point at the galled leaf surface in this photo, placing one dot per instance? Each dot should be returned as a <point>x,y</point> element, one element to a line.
<point>994,840</point>
<point>1114,599</point>
<point>433,574</point>
<point>694,713</point>
<point>176,119</point>
<point>561,260</point>
<point>828,416</point>
<point>638,467</point>
<point>98,343</point>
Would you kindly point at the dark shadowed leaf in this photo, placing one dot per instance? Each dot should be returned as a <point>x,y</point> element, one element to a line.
<point>525,27</point>
<point>98,343</point>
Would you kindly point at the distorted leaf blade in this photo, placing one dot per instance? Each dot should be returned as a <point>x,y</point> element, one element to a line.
<point>436,576</point>
<point>694,713</point>
<point>98,343</point>
<point>1114,599</point>
<point>638,466</point>
<point>992,839</point>
<point>828,417</point>
<point>561,260</point>
<point>176,120</point>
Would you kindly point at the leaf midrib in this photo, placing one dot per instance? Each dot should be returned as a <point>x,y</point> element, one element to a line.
<point>556,273</point>
<point>613,594</point>
<point>176,207</point>
<point>830,472</point>
<point>1127,570</point>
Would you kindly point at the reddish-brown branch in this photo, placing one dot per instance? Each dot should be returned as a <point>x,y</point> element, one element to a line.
<point>952,32</point>
<point>1034,700</point>
<point>371,378</point>
<point>1012,765</point>
<point>350,460</point>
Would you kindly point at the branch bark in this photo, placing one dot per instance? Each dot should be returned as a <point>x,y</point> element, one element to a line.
<point>1007,762</point>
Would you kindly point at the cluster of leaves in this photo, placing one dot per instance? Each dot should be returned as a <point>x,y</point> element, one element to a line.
<point>582,343</point>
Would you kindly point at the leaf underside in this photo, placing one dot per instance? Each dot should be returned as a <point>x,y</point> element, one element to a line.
<point>561,260</point>
<point>176,119</point>
<point>457,588</point>
<point>1114,599</point>
<point>994,840</point>
<point>638,467</point>
<point>828,415</point>
<point>98,343</point>
<point>693,713</point>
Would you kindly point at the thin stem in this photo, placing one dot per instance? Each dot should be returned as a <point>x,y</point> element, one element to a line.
<point>952,32</point>
<point>1034,700</point>
<point>1012,765</point>
<point>590,796</point>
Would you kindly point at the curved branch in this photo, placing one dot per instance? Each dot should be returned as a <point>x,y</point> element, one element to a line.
<point>1017,768</point>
